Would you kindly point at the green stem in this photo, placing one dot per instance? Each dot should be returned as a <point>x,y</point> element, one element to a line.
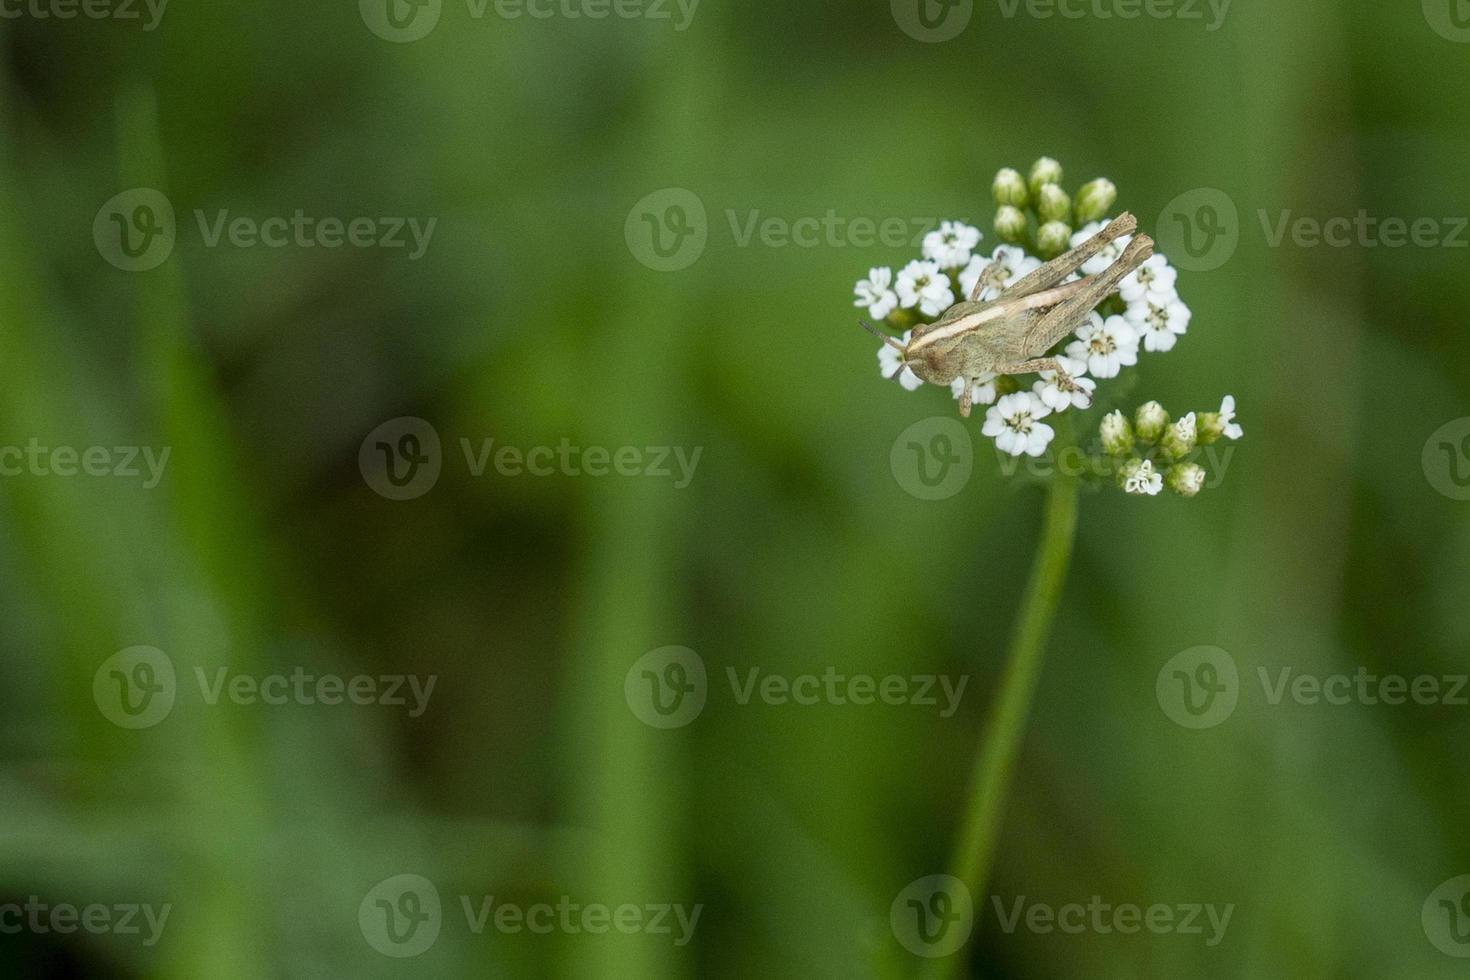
<point>991,778</point>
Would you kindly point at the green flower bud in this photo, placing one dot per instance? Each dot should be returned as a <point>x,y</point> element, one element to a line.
<point>1210,428</point>
<point>1044,171</point>
<point>1009,188</point>
<point>1053,239</point>
<point>1185,479</point>
<point>1095,199</point>
<point>1150,420</point>
<point>1010,224</point>
<point>1053,204</point>
<point>1117,434</point>
<point>1180,438</point>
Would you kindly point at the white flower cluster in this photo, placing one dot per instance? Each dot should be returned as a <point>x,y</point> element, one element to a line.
<point>1153,316</point>
<point>924,285</point>
<point>1155,452</point>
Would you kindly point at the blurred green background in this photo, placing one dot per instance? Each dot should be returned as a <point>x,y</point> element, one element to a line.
<point>530,319</point>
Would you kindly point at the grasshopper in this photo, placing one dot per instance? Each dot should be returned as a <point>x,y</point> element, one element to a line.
<point>1011,333</point>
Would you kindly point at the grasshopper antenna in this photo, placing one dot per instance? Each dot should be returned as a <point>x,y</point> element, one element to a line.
<point>880,335</point>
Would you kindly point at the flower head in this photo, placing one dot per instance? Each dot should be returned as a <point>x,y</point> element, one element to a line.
<point>950,246</point>
<point>1117,434</point>
<point>982,393</point>
<point>1139,477</point>
<point>1014,424</point>
<point>1159,323</point>
<point>1180,438</point>
<point>924,285</point>
<point>876,293</point>
<point>1185,479</point>
<point>1228,426</point>
<point>1105,345</point>
<point>1009,264</point>
<point>1009,187</point>
<point>1110,251</point>
<point>1153,281</point>
<point>1061,390</point>
<point>1094,199</point>
<point>1052,238</point>
<point>891,365</point>
<point>1010,223</point>
<point>1150,420</point>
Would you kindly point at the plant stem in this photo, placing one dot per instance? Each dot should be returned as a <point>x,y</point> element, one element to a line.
<point>991,779</point>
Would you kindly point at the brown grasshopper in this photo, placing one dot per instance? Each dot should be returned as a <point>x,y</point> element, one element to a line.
<point>1008,335</point>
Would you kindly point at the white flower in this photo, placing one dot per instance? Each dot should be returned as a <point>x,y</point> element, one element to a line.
<point>980,394</point>
<point>1228,425</point>
<point>922,284</point>
<point>1160,324</point>
<point>1012,421</point>
<point>1144,480</point>
<point>890,363</point>
<point>950,246</point>
<point>1186,429</point>
<point>1152,281</point>
<point>1014,263</point>
<point>1109,253</point>
<point>1057,394</point>
<point>1105,346</point>
<point>876,293</point>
